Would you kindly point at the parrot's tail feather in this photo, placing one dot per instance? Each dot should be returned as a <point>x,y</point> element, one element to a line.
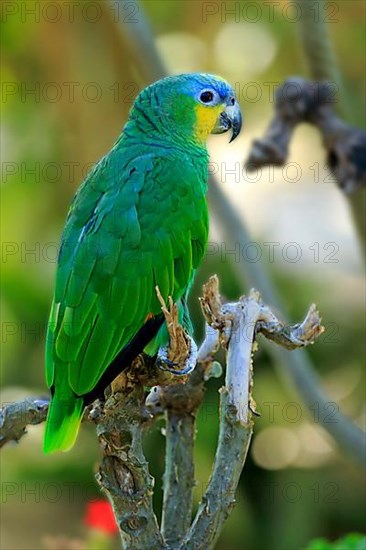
<point>63,422</point>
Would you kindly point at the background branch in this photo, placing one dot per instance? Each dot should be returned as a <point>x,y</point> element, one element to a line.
<point>315,40</point>
<point>298,101</point>
<point>313,33</point>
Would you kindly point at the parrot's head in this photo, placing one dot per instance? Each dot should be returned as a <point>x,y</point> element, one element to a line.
<point>190,106</point>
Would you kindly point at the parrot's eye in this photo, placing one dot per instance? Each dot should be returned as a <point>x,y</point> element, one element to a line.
<point>207,96</point>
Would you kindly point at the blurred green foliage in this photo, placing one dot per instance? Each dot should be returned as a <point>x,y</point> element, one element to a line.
<point>353,541</point>
<point>67,86</point>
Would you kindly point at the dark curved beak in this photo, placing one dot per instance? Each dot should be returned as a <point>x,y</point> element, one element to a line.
<point>229,119</point>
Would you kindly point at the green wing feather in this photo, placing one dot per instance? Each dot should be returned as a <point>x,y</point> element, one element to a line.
<point>134,224</point>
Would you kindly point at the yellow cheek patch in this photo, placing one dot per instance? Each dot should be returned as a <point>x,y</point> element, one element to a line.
<point>206,118</point>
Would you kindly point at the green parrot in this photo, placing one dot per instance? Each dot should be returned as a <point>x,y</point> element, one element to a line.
<point>139,220</point>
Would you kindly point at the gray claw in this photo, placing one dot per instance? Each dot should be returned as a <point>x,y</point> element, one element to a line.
<point>165,364</point>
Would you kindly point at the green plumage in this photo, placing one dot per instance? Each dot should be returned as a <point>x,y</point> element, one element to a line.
<point>138,220</point>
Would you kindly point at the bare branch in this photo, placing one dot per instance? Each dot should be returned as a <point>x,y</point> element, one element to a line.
<point>210,344</point>
<point>15,417</point>
<point>123,472</point>
<point>219,498</point>
<point>120,421</point>
<point>239,324</point>
<point>291,336</point>
<point>180,402</point>
<point>179,477</point>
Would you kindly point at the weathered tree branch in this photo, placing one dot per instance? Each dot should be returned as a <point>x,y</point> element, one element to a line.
<point>179,477</point>
<point>121,420</point>
<point>235,423</point>
<point>15,417</point>
<point>180,402</point>
<point>123,472</point>
<point>238,325</point>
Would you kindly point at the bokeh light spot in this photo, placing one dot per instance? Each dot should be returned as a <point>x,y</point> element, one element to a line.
<point>244,50</point>
<point>275,448</point>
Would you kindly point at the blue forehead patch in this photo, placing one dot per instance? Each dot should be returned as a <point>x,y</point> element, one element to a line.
<point>200,81</point>
<point>193,83</point>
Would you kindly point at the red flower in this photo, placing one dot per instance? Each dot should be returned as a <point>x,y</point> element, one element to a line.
<point>99,515</point>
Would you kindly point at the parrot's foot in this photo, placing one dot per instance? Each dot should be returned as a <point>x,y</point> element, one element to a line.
<point>189,364</point>
<point>180,356</point>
